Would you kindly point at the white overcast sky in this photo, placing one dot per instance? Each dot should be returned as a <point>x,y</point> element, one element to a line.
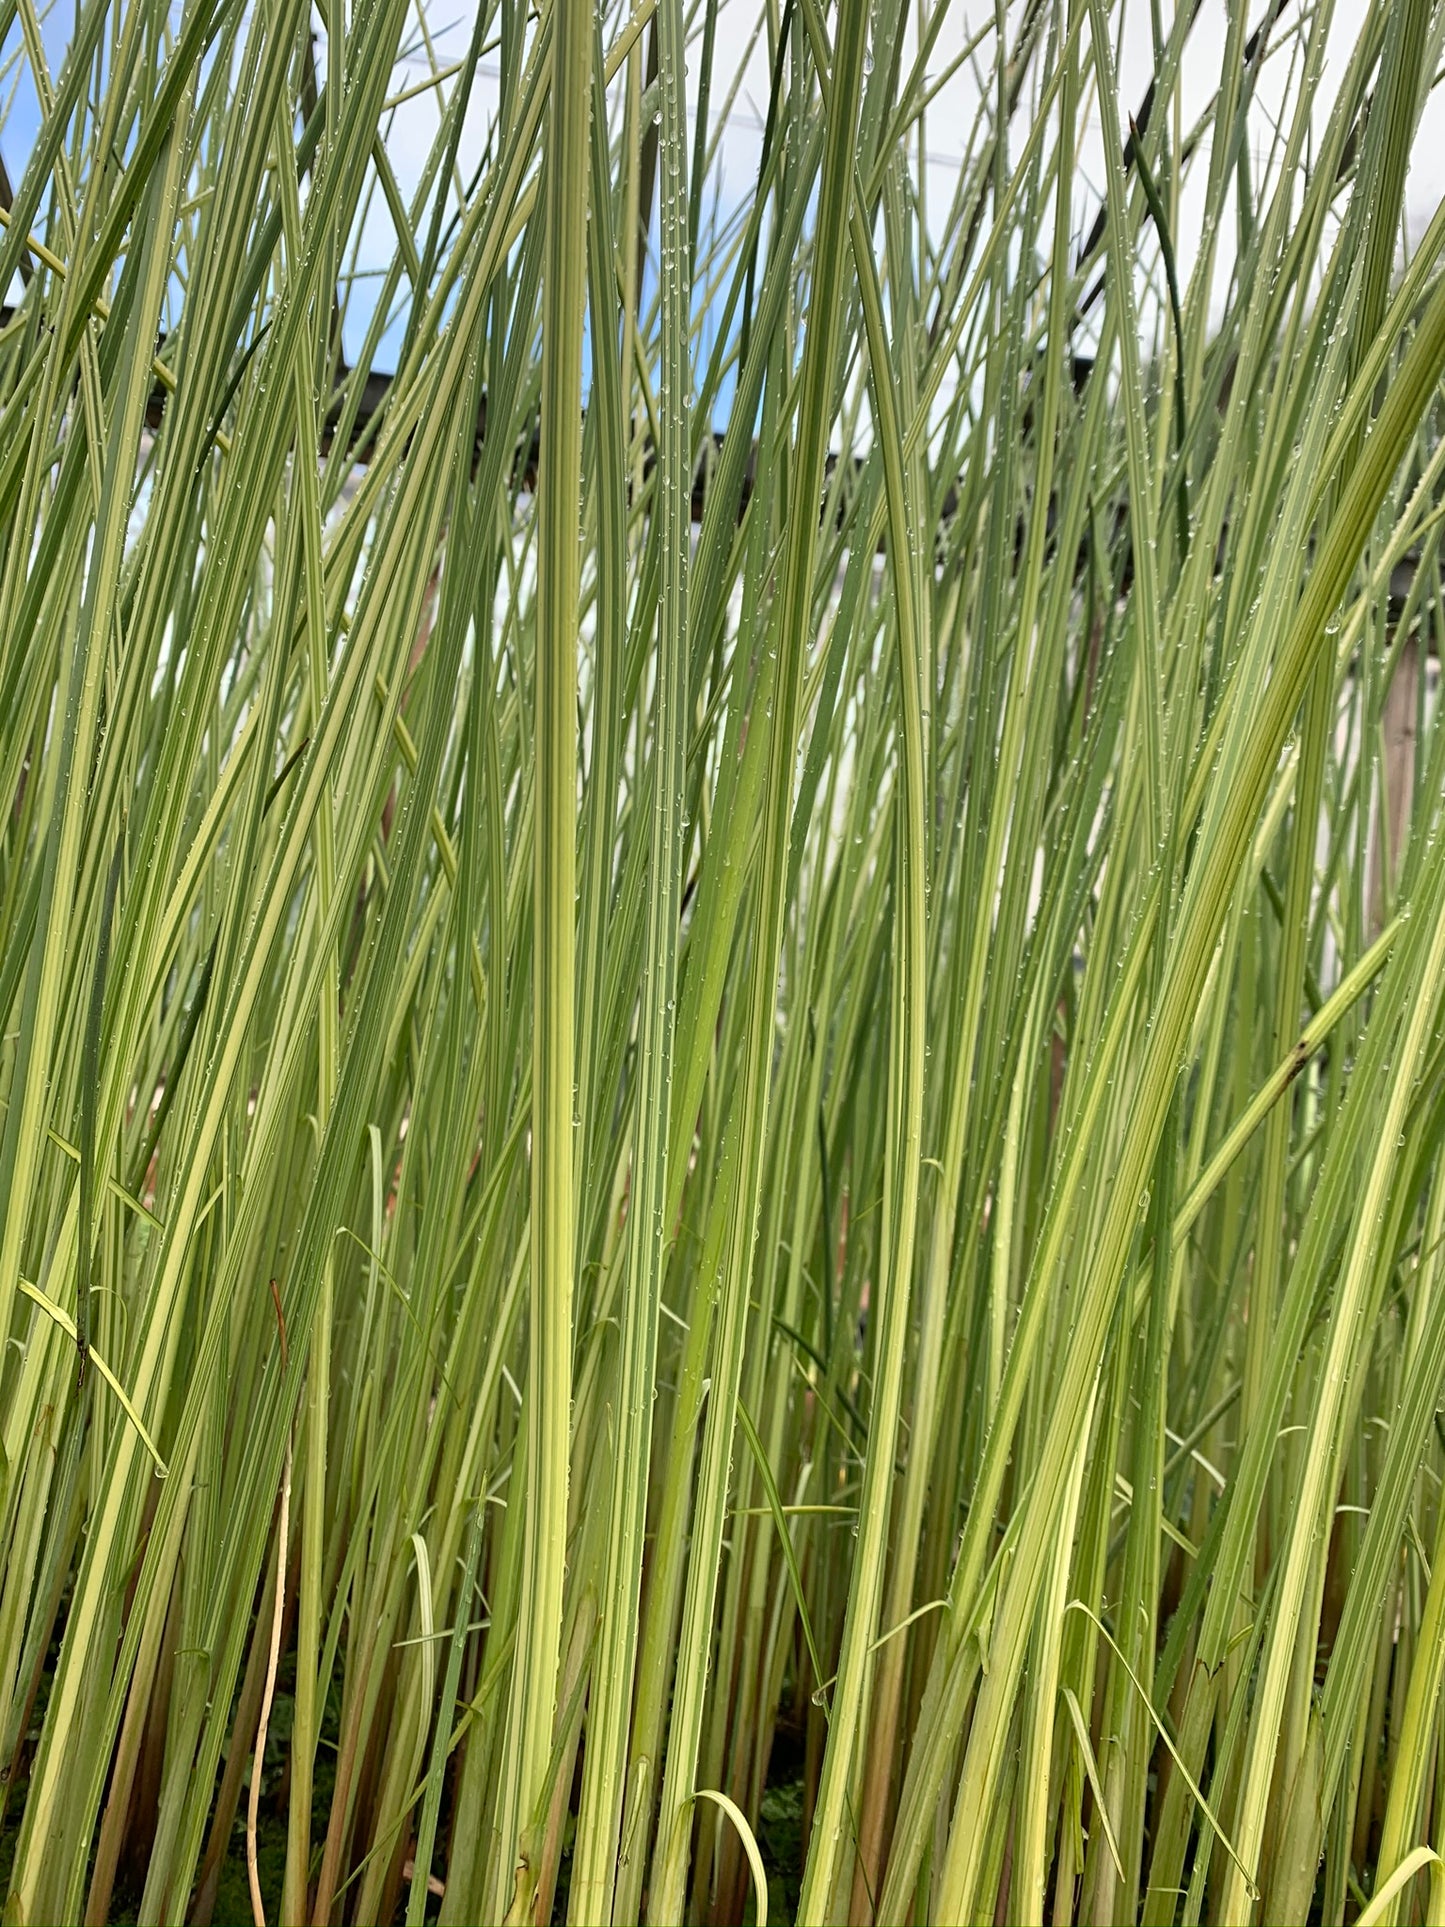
<point>955,111</point>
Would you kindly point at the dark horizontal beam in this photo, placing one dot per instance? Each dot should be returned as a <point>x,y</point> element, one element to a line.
<point>376,390</point>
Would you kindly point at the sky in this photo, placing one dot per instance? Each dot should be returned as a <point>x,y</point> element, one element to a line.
<point>955,110</point>
<point>414,120</point>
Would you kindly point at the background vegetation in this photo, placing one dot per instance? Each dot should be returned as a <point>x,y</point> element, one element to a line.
<point>720,1144</point>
